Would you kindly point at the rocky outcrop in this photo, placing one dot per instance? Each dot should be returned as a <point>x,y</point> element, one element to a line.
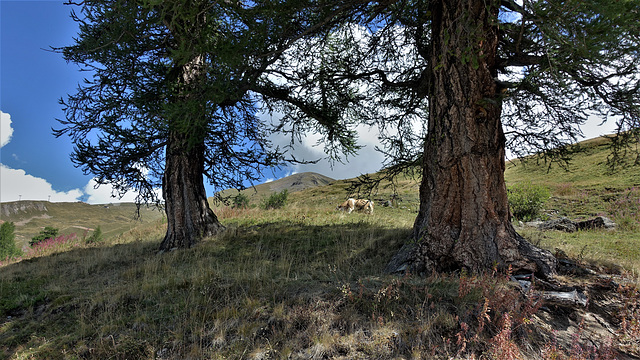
<point>599,222</point>
<point>562,224</point>
<point>22,208</point>
<point>568,225</point>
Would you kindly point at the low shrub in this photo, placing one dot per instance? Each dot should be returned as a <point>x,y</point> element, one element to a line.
<point>526,200</point>
<point>95,237</point>
<point>276,200</point>
<point>240,201</point>
<point>49,232</point>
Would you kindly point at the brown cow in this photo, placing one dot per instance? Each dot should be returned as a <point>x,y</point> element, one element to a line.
<point>356,204</point>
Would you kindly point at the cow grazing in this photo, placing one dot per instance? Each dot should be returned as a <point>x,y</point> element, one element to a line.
<point>356,204</point>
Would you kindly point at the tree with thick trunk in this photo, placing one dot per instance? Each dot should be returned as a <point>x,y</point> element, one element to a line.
<point>173,96</point>
<point>147,120</point>
<point>479,75</point>
<point>189,217</point>
<point>464,221</point>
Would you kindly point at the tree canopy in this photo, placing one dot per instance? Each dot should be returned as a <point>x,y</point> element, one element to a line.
<point>135,53</point>
<point>558,63</point>
<point>121,116</point>
<point>173,95</point>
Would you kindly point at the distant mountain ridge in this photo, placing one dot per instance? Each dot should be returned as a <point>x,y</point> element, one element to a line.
<point>291,183</point>
<point>299,182</point>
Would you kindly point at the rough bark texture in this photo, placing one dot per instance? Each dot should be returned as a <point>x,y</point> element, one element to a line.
<point>189,217</point>
<point>463,221</point>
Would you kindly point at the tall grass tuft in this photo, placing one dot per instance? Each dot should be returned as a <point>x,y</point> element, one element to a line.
<point>626,210</point>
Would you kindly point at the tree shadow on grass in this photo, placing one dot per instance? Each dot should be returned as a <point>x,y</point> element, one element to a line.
<point>127,290</point>
<point>279,249</point>
<point>361,246</point>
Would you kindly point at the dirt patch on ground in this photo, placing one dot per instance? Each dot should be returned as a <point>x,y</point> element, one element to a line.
<point>26,221</point>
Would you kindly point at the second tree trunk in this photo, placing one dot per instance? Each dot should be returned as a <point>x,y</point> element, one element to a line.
<point>464,220</point>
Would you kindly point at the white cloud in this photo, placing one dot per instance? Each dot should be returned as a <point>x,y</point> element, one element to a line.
<point>367,160</point>
<point>594,127</point>
<point>103,194</point>
<point>6,131</point>
<point>16,184</point>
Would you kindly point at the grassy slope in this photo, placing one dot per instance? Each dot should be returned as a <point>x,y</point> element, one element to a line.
<point>586,186</point>
<point>78,218</point>
<point>303,282</point>
<point>585,189</point>
<point>292,183</point>
<point>587,170</point>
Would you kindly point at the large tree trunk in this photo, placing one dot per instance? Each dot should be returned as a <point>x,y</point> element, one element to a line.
<point>189,217</point>
<point>464,220</point>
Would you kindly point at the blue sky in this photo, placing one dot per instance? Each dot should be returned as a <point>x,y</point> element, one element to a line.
<point>33,164</point>
<point>32,80</point>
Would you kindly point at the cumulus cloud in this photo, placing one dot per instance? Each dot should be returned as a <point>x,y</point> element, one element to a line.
<point>6,131</point>
<point>367,160</point>
<point>104,194</point>
<point>595,127</point>
<point>16,185</point>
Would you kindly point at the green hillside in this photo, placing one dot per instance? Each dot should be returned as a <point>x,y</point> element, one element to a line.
<point>30,217</point>
<point>586,187</point>
<point>588,169</point>
<point>307,282</point>
<point>292,183</point>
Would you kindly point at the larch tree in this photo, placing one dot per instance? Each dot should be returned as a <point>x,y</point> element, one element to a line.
<point>171,97</point>
<point>549,64</point>
<point>8,246</point>
<point>477,76</point>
